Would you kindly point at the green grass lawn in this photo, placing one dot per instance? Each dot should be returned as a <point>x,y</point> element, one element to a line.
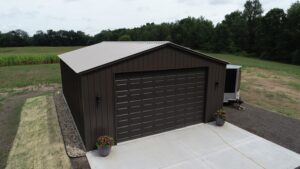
<point>270,85</point>
<point>293,70</point>
<point>25,75</point>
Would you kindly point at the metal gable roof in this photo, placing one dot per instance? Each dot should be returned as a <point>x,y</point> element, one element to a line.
<point>93,56</point>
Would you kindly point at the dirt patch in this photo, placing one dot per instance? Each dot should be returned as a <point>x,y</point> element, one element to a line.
<point>275,127</point>
<point>32,88</point>
<point>271,91</point>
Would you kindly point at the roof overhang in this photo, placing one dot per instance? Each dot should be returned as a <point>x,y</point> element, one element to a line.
<point>231,66</point>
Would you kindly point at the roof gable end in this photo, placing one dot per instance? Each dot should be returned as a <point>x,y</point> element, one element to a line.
<point>106,53</point>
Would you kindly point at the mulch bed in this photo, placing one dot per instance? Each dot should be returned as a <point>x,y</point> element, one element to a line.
<point>73,142</point>
<point>274,127</point>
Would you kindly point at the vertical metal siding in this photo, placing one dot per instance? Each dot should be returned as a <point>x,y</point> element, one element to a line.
<point>101,121</point>
<point>71,87</point>
<point>85,109</point>
<point>110,101</point>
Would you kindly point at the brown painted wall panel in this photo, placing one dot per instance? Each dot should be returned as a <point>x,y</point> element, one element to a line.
<point>100,120</point>
<point>85,108</point>
<point>71,87</point>
<point>93,105</point>
<point>110,101</point>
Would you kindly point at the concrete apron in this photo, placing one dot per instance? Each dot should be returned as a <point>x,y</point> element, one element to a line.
<point>197,146</point>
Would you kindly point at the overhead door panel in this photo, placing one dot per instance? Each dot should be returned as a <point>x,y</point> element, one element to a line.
<point>151,102</point>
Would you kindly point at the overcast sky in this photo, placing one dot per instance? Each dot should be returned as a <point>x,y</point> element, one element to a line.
<point>92,16</point>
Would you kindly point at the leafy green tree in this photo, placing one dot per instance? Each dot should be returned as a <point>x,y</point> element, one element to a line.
<point>105,35</point>
<point>15,38</point>
<point>295,57</point>
<point>222,39</point>
<point>252,12</point>
<point>124,38</point>
<point>236,24</point>
<point>293,32</point>
<point>164,32</point>
<point>39,38</point>
<point>272,41</point>
<point>60,38</point>
<point>193,32</point>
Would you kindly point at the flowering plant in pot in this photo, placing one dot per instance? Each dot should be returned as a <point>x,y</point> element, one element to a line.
<point>220,116</point>
<point>104,144</point>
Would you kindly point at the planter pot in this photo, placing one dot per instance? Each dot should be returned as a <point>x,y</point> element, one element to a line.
<point>104,150</point>
<point>220,121</point>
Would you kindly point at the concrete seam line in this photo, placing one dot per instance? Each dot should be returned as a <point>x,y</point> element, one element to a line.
<point>234,147</point>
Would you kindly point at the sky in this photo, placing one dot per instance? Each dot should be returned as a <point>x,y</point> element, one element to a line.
<point>92,16</point>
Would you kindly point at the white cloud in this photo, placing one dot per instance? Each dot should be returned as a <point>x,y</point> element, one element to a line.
<point>220,2</point>
<point>92,16</point>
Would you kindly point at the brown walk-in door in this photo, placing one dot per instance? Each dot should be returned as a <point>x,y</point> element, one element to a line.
<point>151,102</point>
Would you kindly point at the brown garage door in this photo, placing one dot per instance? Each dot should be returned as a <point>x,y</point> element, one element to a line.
<point>151,102</point>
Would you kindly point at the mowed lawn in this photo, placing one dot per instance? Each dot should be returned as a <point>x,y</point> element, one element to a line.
<point>38,142</point>
<point>270,85</point>
<point>26,75</point>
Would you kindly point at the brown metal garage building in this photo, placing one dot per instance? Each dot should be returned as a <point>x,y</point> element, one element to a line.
<point>133,89</point>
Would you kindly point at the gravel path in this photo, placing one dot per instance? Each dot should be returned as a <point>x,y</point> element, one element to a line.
<point>72,139</point>
<point>73,143</point>
<point>275,127</point>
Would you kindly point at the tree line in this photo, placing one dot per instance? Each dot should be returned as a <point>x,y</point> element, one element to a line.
<point>273,36</point>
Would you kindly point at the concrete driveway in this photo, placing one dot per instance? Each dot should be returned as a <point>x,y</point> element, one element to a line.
<point>195,147</point>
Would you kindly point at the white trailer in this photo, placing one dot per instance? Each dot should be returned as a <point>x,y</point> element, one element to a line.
<point>232,84</point>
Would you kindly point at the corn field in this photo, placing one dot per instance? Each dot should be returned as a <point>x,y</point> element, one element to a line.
<point>26,60</point>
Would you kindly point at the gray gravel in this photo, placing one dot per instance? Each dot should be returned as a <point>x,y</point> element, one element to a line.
<point>274,127</point>
<point>73,143</point>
